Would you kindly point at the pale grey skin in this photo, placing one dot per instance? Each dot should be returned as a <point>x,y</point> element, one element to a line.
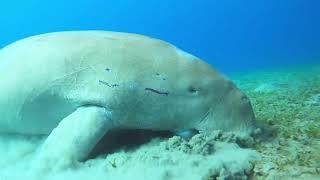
<point>77,85</point>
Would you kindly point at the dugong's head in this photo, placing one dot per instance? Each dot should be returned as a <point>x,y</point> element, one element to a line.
<point>211,100</point>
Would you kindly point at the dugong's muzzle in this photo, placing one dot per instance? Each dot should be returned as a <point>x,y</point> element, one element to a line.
<point>233,113</point>
<point>240,112</point>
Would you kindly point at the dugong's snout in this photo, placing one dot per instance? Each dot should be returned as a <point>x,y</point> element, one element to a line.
<point>241,112</point>
<point>236,112</point>
<point>233,113</point>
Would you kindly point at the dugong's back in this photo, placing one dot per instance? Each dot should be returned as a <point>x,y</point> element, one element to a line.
<point>42,71</point>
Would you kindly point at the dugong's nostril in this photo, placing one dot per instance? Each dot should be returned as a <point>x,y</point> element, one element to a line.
<point>229,85</point>
<point>244,99</point>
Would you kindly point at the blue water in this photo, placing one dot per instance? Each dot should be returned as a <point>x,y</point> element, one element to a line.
<point>230,34</point>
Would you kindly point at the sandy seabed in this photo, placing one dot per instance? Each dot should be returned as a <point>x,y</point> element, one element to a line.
<point>286,103</point>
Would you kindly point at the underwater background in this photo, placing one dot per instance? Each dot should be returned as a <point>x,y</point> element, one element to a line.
<point>269,48</point>
<point>232,35</point>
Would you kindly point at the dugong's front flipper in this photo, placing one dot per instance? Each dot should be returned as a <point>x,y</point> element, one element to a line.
<point>74,137</point>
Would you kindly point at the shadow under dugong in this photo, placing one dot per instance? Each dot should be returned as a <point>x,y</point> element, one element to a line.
<point>75,86</point>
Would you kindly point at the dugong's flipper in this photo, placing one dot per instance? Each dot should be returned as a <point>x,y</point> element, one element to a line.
<point>74,137</point>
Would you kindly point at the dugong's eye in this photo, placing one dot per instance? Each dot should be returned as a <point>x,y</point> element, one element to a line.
<point>193,90</point>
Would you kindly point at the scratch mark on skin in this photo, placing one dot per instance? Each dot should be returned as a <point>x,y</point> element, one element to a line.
<point>107,84</point>
<point>156,91</point>
<point>205,115</point>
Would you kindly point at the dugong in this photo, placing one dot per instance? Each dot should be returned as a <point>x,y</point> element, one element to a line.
<point>75,86</point>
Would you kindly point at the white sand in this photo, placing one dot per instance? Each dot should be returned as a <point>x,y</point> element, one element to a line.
<point>173,158</point>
